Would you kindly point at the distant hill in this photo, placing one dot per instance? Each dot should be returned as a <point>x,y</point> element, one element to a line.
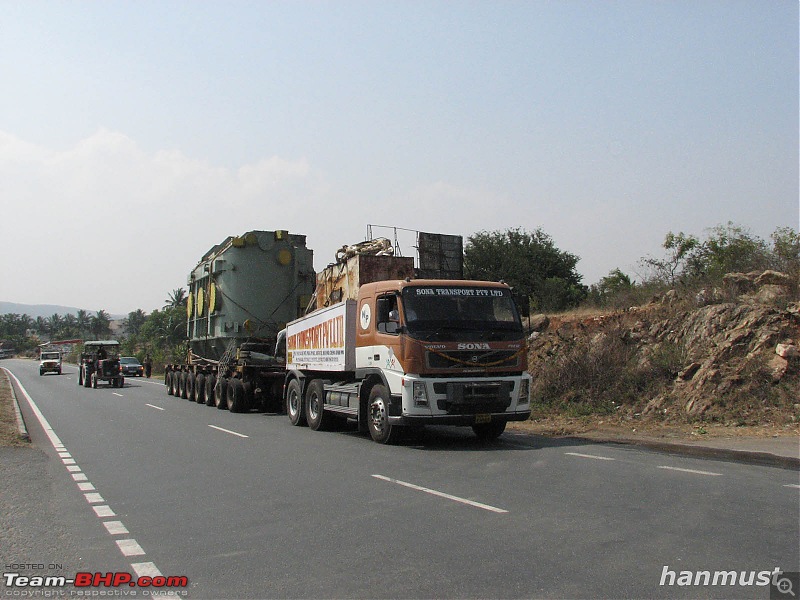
<point>44,310</point>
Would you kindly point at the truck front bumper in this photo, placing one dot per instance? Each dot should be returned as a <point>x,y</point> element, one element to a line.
<point>417,420</point>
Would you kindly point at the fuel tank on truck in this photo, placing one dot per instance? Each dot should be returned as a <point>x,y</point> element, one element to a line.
<point>246,289</point>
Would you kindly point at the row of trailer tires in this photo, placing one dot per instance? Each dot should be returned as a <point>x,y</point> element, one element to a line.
<point>225,393</point>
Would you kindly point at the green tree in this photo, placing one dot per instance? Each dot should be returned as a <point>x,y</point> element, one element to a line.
<point>82,322</point>
<point>680,252</point>
<point>133,323</point>
<point>176,298</point>
<point>100,324</point>
<point>529,262</point>
<point>729,249</point>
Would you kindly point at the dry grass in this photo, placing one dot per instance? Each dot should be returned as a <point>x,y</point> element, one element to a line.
<point>9,432</point>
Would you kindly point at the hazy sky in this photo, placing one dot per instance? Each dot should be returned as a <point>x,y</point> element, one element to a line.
<point>134,136</point>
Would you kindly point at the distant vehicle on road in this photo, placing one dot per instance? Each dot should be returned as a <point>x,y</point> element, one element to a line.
<point>99,361</point>
<point>130,365</point>
<point>50,362</point>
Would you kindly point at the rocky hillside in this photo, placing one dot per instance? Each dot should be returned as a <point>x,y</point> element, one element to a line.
<point>727,356</point>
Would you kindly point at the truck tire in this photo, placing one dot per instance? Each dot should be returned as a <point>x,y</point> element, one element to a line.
<point>174,384</point>
<point>168,382</point>
<point>380,429</point>
<point>316,417</point>
<point>80,376</point>
<point>211,381</point>
<point>189,394</point>
<point>236,403</point>
<point>294,403</point>
<point>489,431</point>
<point>221,394</point>
<point>94,380</point>
<point>200,389</point>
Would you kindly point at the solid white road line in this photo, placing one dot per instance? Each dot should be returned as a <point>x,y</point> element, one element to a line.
<point>154,406</point>
<point>589,456</point>
<point>241,435</point>
<point>696,472</point>
<point>792,485</point>
<point>441,494</point>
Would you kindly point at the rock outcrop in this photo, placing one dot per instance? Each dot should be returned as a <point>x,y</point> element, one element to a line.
<point>724,361</point>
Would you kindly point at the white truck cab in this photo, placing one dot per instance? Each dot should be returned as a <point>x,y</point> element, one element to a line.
<point>50,362</point>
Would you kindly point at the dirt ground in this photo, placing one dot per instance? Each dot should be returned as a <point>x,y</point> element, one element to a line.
<point>9,432</point>
<point>609,428</point>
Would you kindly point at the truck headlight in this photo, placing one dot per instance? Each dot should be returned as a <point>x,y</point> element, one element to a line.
<point>420,394</point>
<point>524,391</point>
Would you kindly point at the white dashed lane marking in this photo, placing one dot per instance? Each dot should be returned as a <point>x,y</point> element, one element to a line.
<point>442,494</point>
<point>241,435</point>
<point>154,406</point>
<point>694,471</point>
<point>589,456</point>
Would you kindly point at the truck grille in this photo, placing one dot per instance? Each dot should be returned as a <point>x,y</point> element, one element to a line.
<point>473,397</point>
<point>458,359</point>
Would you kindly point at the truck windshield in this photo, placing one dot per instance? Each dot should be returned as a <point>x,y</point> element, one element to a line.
<point>453,312</point>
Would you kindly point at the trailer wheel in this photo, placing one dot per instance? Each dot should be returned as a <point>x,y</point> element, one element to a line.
<point>190,386</point>
<point>200,389</point>
<point>489,431</point>
<point>236,402</point>
<point>211,381</point>
<point>175,383</point>
<point>221,394</point>
<point>378,418</point>
<point>168,382</point>
<point>294,403</point>
<point>315,413</point>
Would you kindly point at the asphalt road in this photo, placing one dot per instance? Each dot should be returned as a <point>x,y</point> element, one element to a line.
<point>247,506</point>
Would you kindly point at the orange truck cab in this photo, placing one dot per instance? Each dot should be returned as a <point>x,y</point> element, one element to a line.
<point>408,353</point>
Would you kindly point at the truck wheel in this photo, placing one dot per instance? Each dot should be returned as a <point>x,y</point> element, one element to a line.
<point>236,402</point>
<point>189,386</point>
<point>94,380</point>
<point>315,413</point>
<point>80,376</point>
<point>174,384</point>
<point>221,394</point>
<point>87,380</point>
<point>41,372</point>
<point>168,382</point>
<point>200,389</point>
<point>489,431</point>
<point>378,417</point>
<point>211,381</point>
<point>294,403</point>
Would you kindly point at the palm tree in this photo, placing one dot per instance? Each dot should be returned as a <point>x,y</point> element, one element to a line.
<point>176,298</point>
<point>54,325</point>
<point>82,321</point>
<point>100,324</point>
<point>133,324</point>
